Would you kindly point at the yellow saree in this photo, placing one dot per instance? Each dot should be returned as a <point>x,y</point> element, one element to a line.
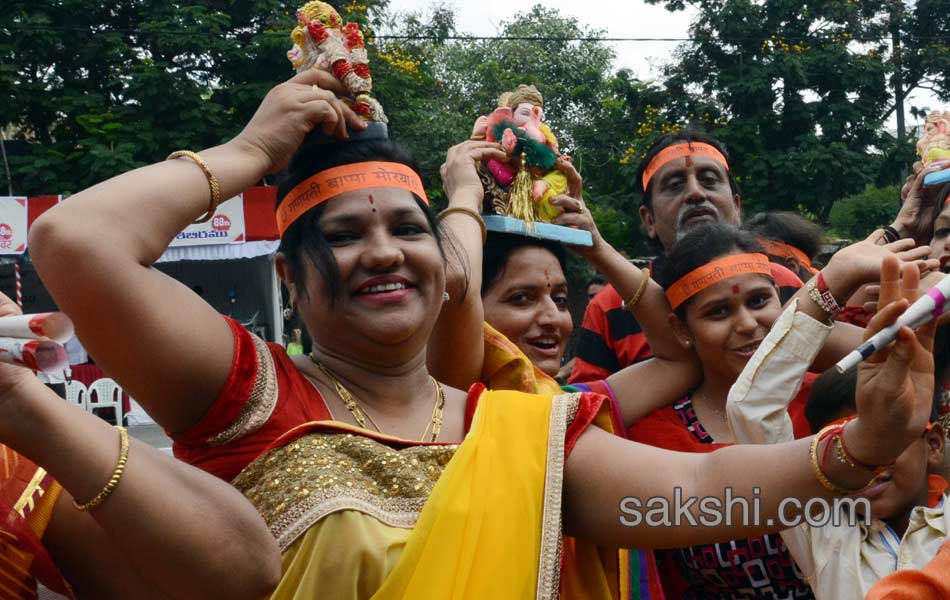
<point>383,519</point>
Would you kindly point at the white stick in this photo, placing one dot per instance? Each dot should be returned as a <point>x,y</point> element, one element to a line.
<point>55,326</point>
<point>39,355</point>
<point>926,308</point>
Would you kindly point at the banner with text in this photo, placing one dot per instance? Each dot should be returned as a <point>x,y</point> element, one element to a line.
<point>13,219</point>
<point>225,227</point>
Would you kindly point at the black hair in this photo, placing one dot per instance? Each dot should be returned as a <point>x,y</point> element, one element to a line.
<point>689,134</point>
<point>596,280</point>
<point>304,239</point>
<point>832,396</point>
<point>499,246</point>
<point>700,245</point>
<point>788,227</point>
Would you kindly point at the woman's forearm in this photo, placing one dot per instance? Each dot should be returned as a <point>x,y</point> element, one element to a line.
<point>596,491</point>
<point>652,309</point>
<point>184,530</point>
<point>139,213</point>
<point>455,353</point>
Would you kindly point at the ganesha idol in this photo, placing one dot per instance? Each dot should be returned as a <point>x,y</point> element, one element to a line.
<point>934,145</point>
<point>522,187</point>
<point>323,41</point>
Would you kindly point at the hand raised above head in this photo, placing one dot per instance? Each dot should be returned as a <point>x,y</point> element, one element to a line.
<point>918,201</point>
<point>861,263</point>
<point>896,384</point>
<point>292,110</point>
<point>460,179</point>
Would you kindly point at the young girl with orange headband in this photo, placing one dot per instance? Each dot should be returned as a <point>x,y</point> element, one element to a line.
<point>719,284</point>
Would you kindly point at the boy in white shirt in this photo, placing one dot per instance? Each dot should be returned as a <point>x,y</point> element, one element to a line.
<point>841,561</point>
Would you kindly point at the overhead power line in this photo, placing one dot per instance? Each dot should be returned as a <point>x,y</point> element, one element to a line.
<point>479,38</point>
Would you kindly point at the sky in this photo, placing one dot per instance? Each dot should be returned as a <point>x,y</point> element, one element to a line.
<point>618,19</point>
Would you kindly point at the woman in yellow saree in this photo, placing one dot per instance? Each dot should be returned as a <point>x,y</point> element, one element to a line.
<point>377,480</point>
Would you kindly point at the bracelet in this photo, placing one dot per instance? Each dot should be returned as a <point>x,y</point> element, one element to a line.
<point>116,475</point>
<point>891,235</point>
<point>212,181</point>
<point>821,295</point>
<point>854,462</point>
<point>464,210</point>
<point>816,468</point>
<point>629,305</point>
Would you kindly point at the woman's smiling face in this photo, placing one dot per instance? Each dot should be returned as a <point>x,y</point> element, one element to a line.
<point>528,304</point>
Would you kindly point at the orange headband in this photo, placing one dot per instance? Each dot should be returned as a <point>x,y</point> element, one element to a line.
<point>783,250</point>
<point>332,182</point>
<point>679,151</point>
<point>711,273</point>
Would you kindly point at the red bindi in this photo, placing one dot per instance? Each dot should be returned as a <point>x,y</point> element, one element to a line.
<point>689,161</point>
<point>735,289</point>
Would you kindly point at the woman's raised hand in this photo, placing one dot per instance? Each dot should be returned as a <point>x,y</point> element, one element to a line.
<point>575,213</point>
<point>861,263</point>
<point>918,202</point>
<point>460,178</point>
<point>289,112</point>
<point>895,385</point>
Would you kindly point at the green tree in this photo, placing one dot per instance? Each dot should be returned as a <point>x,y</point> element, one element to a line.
<point>435,87</point>
<point>855,217</point>
<point>803,93</point>
<point>91,90</point>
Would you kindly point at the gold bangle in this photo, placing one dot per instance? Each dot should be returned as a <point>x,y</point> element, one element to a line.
<point>629,305</point>
<point>116,475</point>
<point>212,181</point>
<point>816,468</point>
<point>466,211</point>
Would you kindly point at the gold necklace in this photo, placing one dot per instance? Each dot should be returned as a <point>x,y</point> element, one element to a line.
<point>361,416</point>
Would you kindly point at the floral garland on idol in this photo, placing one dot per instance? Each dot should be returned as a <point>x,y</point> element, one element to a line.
<point>322,40</point>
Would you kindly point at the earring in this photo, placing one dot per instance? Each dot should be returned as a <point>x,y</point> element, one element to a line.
<point>445,297</point>
<point>289,311</point>
<point>688,343</point>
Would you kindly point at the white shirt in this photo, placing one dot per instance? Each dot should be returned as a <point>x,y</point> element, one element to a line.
<point>838,561</point>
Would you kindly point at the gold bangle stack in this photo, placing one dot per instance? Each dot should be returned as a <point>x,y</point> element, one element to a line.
<point>629,305</point>
<point>816,466</point>
<point>466,211</point>
<point>116,475</point>
<point>212,181</point>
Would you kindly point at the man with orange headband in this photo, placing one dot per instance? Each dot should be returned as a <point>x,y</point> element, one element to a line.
<point>685,180</point>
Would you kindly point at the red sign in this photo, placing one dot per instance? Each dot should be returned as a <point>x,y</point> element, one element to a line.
<point>221,223</point>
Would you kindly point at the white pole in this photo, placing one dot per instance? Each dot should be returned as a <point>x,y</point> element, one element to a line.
<point>277,315</point>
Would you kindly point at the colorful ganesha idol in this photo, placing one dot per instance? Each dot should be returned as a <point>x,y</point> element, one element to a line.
<point>522,188</point>
<point>934,145</point>
<point>323,41</point>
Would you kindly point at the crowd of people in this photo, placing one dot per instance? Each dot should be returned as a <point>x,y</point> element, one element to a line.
<point>424,448</point>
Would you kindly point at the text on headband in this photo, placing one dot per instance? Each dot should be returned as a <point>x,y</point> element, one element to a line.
<point>330,183</point>
<point>679,151</point>
<point>711,273</point>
